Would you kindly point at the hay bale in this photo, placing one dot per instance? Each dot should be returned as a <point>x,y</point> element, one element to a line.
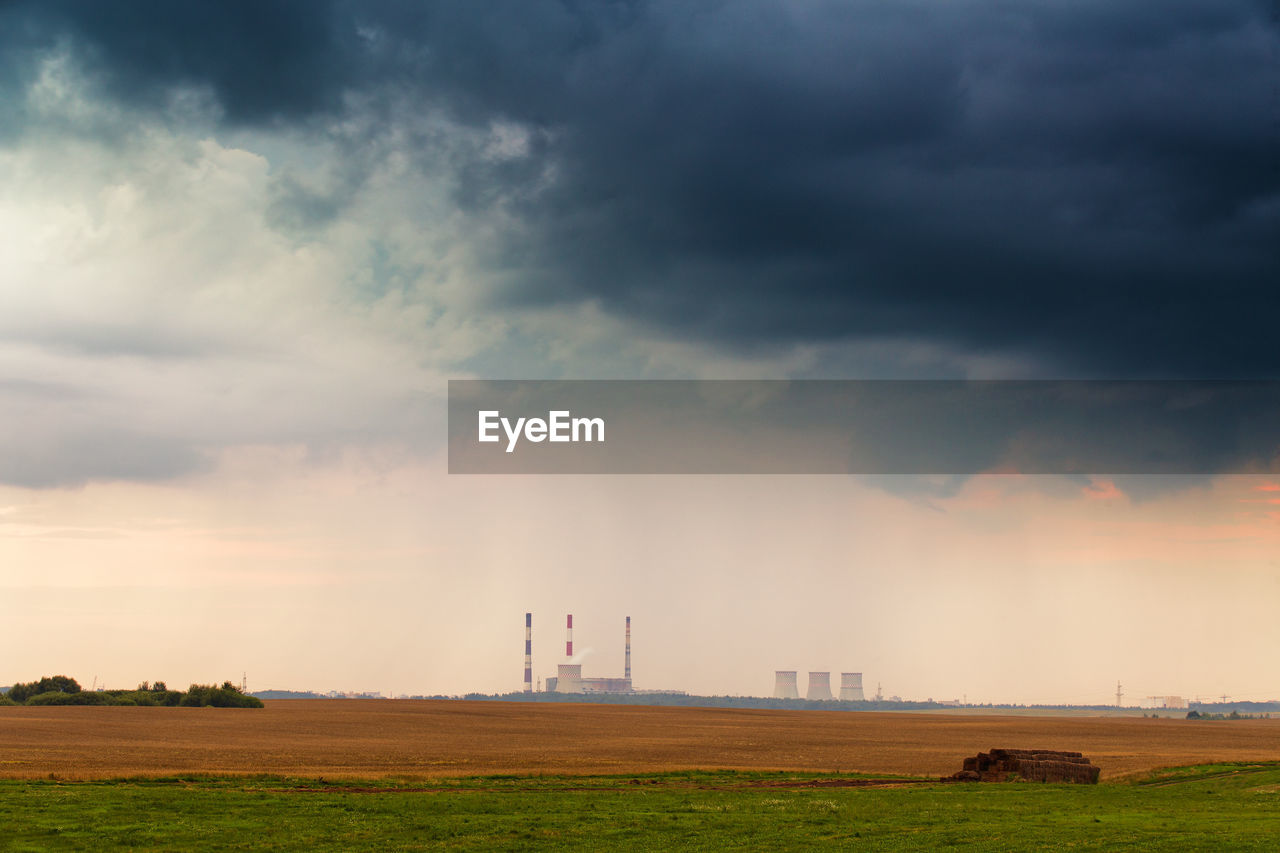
<point>1032,765</point>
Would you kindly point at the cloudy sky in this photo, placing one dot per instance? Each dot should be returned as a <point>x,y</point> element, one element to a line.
<point>243,245</point>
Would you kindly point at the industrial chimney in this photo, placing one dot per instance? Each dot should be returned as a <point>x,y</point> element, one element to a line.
<point>784,684</point>
<point>851,686</point>
<point>819,686</point>
<point>568,637</point>
<point>528,653</point>
<point>626,669</point>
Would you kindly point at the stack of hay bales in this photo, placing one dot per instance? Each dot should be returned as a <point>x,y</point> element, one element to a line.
<point>1031,765</point>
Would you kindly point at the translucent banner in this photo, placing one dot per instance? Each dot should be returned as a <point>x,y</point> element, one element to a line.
<point>873,427</point>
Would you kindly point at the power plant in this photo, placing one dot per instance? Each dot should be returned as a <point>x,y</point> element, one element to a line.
<point>785,687</point>
<point>569,677</point>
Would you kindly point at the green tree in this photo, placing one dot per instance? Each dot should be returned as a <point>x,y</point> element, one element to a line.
<point>48,684</point>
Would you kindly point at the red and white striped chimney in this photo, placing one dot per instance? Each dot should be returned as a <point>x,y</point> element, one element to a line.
<point>528,653</point>
<point>568,637</point>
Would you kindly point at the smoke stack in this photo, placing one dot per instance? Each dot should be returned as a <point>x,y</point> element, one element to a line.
<point>784,684</point>
<point>819,686</point>
<point>851,686</point>
<point>528,653</point>
<point>568,637</point>
<point>626,669</point>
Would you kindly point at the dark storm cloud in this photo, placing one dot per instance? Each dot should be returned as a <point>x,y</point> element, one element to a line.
<point>263,60</point>
<point>1096,184</point>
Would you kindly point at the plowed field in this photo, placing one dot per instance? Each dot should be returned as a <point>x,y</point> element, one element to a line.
<point>370,738</point>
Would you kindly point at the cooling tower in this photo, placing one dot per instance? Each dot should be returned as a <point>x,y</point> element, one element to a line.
<point>819,686</point>
<point>784,684</point>
<point>528,653</point>
<point>851,686</point>
<point>569,678</point>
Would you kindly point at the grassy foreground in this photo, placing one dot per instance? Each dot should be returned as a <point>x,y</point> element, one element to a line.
<point>1205,808</point>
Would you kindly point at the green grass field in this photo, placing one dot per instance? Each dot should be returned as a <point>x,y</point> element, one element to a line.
<point>1218,807</point>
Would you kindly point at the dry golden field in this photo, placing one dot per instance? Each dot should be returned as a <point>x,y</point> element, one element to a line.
<point>370,738</point>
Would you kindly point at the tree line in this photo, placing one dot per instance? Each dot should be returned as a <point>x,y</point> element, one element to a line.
<point>63,690</point>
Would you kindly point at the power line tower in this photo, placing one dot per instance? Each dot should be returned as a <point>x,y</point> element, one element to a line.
<point>1119,695</point>
<point>244,682</point>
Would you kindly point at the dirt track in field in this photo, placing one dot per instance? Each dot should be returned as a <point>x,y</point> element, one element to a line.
<point>374,738</point>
